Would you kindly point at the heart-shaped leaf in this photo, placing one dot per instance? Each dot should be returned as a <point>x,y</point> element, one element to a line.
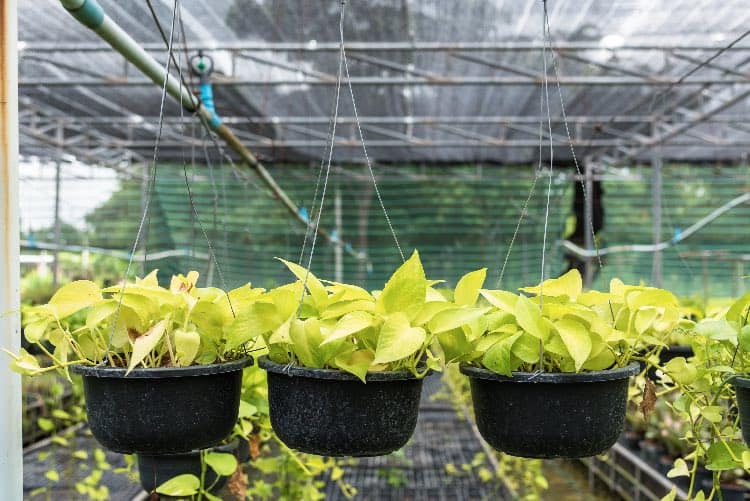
<point>398,339</point>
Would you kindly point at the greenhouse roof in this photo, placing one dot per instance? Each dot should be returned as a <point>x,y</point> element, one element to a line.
<point>435,80</point>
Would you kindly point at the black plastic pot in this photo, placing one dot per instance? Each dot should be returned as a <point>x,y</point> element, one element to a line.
<point>332,413</point>
<point>550,415</point>
<point>155,470</point>
<point>742,390</point>
<point>163,410</point>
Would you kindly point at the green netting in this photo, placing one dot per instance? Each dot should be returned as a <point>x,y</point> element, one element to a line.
<point>459,217</point>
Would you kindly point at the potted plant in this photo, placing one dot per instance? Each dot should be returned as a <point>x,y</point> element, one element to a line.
<point>549,373</point>
<point>157,374</point>
<point>345,366</point>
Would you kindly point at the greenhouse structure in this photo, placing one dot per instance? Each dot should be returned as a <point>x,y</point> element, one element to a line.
<point>375,250</point>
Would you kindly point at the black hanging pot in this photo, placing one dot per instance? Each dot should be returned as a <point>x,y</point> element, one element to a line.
<point>332,413</point>
<point>742,390</point>
<point>162,410</point>
<point>550,415</point>
<point>155,470</point>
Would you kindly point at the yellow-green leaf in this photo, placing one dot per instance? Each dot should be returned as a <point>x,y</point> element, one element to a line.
<point>398,339</point>
<point>502,300</point>
<point>576,338</point>
<point>569,285</point>
<point>681,371</point>
<point>467,288</point>
<point>680,469</point>
<point>186,345</point>
<point>406,289</point>
<point>341,308</point>
<point>349,324</point>
<point>316,288</point>
<point>497,358</point>
<point>180,486</point>
<point>74,297</point>
<point>24,363</point>
<point>222,463</point>
<point>530,319</point>
<point>454,318</point>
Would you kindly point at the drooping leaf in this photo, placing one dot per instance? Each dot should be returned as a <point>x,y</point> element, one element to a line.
<point>143,344</point>
<point>180,486</point>
<point>576,339</point>
<point>502,300</point>
<point>467,288</point>
<point>24,363</point>
<point>454,344</point>
<point>405,289</point>
<point>398,339</point>
<point>357,362</point>
<point>223,463</point>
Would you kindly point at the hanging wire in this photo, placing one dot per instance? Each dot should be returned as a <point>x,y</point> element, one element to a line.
<point>152,182</point>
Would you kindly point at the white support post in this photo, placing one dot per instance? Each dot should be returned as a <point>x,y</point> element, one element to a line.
<point>11,459</point>
<point>656,211</point>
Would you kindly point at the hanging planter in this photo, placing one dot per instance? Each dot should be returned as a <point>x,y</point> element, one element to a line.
<point>162,410</point>
<point>158,376</point>
<point>548,415</point>
<point>333,413</point>
<point>155,470</point>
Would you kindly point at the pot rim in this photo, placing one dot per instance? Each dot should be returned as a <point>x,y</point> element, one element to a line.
<point>332,374</point>
<point>101,371</point>
<point>554,377</point>
<point>740,381</point>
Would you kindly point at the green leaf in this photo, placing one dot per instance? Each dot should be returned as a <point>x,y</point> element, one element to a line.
<point>681,371</point>
<point>644,318</point>
<point>719,457</point>
<point>398,339</point>
<point>52,476</point>
<point>744,338</point>
<point>680,469</point>
<point>526,348</point>
<point>405,290</point>
<point>357,362</point>
<point>74,297</point>
<point>349,324</point>
<point>637,299</point>
<point>186,345</point>
<point>497,358</point>
<point>223,463</point>
<point>306,338</point>
<point>259,318</point>
<point>467,288</point>
<point>454,318</point>
<point>181,485</point>
<point>429,310</point>
<point>316,288</point>
<point>529,318</point>
<point>739,309</point>
<point>145,343</point>
<point>569,285</point>
<point>45,424</point>
<point>720,330</point>
<point>577,340</point>
<point>454,344</point>
<point>33,331</point>
<point>341,308</point>
<point>712,413</point>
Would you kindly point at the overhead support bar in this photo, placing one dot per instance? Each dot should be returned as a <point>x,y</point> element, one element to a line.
<point>91,15</point>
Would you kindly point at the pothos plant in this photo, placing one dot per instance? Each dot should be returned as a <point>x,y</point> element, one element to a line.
<point>707,399</point>
<point>138,324</point>
<point>322,324</point>
<point>557,327</point>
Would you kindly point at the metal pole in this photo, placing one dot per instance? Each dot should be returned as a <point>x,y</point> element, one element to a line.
<point>57,228</point>
<point>338,254</point>
<point>588,219</point>
<point>11,463</point>
<point>656,208</point>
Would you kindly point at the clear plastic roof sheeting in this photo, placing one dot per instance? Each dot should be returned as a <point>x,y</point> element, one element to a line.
<point>434,80</point>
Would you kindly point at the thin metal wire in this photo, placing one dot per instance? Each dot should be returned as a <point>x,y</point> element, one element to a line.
<point>152,181</point>
<point>329,159</point>
<point>364,148</point>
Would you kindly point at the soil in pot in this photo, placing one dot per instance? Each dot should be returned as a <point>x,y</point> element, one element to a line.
<point>155,470</point>
<point>162,410</point>
<point>550,415</point>
<point>332,413</point>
